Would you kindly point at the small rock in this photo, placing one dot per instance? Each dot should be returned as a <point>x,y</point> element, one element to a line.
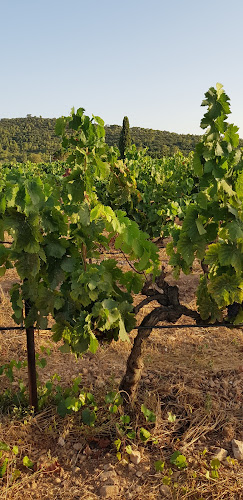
<point>77,446</point>
<point>110,477</point>
<point>99,382</point>
<point>108,467</point>
<point>135,457</point>
<point>87,451</point>
<point>220,454</point>
<point>131,467</point>
<point>229,432</point>
<point>58,480</point>
<point>61,441</point>
<point>237,447</point>
<point>76,470</point>
<point>165,490</point>
<point>109,490</point>
<point>139,473</point>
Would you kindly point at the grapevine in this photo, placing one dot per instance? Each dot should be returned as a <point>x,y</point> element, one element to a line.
<point>57,229</point>
<point>212,230</point>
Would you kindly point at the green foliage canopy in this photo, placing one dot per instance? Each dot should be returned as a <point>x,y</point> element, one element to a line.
<point>58,230</point>
<point>212,230</point>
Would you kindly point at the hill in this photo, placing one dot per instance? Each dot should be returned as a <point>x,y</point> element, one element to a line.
<point>159,143</point>
<point>33,138</point>
<point>30,138</point>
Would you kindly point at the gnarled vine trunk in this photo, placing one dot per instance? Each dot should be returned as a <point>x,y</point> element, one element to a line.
<point>170,311</point>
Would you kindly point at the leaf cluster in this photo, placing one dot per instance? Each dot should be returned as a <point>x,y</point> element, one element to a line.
<point>212,229</point>
<point>57,230</point>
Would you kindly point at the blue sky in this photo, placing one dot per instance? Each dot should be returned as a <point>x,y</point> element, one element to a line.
<point>151,60</point>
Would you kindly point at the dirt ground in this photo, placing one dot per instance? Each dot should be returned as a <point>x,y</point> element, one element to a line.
<point>195,375</point>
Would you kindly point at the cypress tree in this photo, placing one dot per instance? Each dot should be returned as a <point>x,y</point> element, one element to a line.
<point>125,138</point>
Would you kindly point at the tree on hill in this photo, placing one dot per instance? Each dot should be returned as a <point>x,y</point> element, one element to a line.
<point>125,137</point>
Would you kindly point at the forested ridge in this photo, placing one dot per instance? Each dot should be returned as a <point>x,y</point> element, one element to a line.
<point>30,138</point>
<point>159,143</point>
<point>33,138</point>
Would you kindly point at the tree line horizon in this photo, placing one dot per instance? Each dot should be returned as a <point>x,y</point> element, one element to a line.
<point>33,139</point>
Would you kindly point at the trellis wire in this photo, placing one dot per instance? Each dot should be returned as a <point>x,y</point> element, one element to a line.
<point>144,327</point>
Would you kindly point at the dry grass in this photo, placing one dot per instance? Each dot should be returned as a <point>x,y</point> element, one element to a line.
<point>197,375</point>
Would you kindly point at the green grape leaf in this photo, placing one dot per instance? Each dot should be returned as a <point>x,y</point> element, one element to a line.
<point>235,230</point>
<point>27,265</point>
<point>149,415</point>
<point>122,332</point>
<point>226,289</point>
<point>159,465</point>
<point>200,227</point>
<point>55,249</point>
<point>198,168</point>
<point>185,248</point>
<point>226,187</point>
<point>88,417</point>
<point>62,409</point>
<point>207,306</point>
<point>218,150</point>
<point>27,462</point>
<point>144,434</point>
<point>202,200</point>
<point>94,344</point>
<point>4,446</point>
<point>231,135</point>
<point>230,255</point>
<point>3,467</point>
<point>84,214</point>
<point>179,460</point>
<point>68,264</point>
<point>239,186</point>
<point>57,330</point>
